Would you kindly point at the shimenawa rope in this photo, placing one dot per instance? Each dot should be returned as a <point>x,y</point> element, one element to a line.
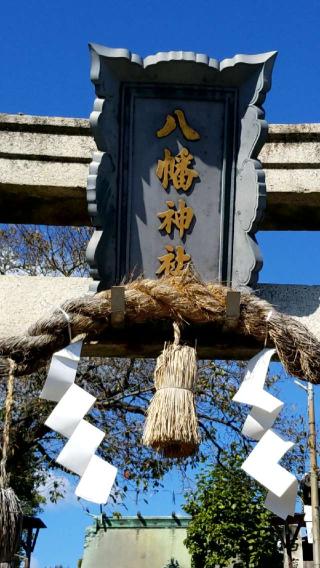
<point>10,509</point>
<point>181,298</point>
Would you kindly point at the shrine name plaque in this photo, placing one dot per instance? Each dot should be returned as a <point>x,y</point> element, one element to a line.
<point>176,180</point>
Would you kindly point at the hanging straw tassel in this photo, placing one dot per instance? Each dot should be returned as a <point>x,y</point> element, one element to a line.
<point>171,426</point>
<point>10,510</point>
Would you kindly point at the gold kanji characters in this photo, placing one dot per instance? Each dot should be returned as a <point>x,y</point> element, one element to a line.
<point>180,218</point>
<point>171,124</point>
<point>176,169</point>
<point>173,262</point>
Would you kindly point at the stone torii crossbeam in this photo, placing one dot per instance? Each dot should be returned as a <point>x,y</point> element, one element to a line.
<point>44,160</point>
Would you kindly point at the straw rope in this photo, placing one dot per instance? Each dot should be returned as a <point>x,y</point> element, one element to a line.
<point>10,509</point>
<point>10,524</point>
<point>182,298</point>
<point>4,476</point>
<point>171,426</point>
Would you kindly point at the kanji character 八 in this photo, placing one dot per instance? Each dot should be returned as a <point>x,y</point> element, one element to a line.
<point>171,124</point>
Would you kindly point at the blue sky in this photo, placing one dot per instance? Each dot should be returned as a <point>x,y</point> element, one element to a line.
<point>44,66</point>
<point>44,58</point>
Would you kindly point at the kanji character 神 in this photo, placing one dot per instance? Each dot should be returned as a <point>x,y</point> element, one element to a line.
<point>180,218</point>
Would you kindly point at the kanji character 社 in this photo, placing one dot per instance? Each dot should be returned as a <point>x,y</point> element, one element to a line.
<point>173,262</point>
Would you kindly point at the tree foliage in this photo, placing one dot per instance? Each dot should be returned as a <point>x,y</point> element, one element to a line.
<point>123,388</point>
<point>229,521</point>
<point>42,250</point>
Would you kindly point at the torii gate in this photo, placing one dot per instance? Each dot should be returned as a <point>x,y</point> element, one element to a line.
<point>45,160</point>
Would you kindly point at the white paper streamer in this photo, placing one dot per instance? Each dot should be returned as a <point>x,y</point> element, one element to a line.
<point>262,463</point>
<point>67,418</point>
<point>309,532</point>
<point>97,481</point>
<point>80,448</point>
<point>284,505</point>
<point>256,370</point>
<point>62,371</point>
<point>72,407</point>
<point>265,406</point>
<point>308,521</point>
<point>307,509</point>
<point>259,421</point>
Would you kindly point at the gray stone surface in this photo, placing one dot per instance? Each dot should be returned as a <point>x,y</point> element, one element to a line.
<point>24,299</point>
<point>300,302</point>
<point>46,159</point>
<point>44,123</point>
<point>43,146</point>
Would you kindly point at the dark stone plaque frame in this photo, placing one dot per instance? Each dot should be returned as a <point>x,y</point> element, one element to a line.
<point>118,75</point>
